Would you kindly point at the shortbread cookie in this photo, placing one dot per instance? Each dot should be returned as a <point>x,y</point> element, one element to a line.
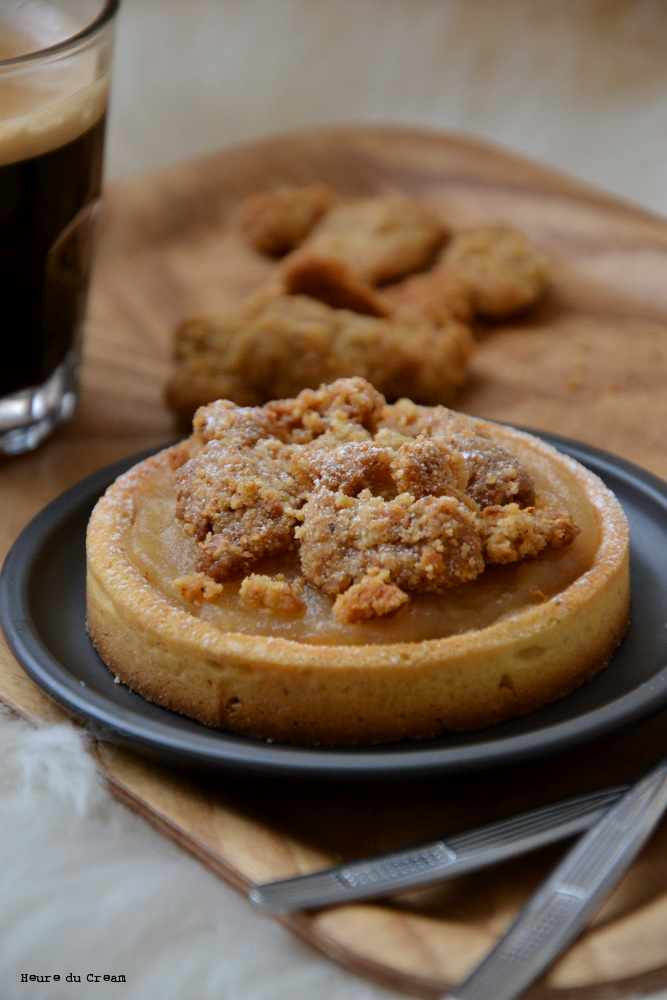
<point>503,272</point>
<point>275,222</point>
<point>381,239</point>
<point>285,343</point>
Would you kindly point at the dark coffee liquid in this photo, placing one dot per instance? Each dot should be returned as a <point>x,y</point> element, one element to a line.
<point>46,208</point>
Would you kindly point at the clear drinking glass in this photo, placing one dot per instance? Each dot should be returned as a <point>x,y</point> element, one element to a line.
<point>55,60</point>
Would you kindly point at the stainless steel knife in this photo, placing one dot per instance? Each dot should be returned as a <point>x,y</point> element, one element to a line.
<point>563,905</point>
<point>437,860</point>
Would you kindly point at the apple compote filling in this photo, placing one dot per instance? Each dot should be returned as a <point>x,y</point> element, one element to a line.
<point>336,518</point>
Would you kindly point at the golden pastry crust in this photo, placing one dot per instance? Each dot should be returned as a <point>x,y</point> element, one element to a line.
<point>503,273</point>
<point>388,549</point>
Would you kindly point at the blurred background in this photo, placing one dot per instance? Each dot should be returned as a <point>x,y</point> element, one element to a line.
<point>578,84</point>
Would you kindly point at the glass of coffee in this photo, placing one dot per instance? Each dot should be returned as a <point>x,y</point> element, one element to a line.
<point>55,58</point>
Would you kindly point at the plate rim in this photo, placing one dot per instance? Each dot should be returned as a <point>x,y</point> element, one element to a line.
<point>216,750</point>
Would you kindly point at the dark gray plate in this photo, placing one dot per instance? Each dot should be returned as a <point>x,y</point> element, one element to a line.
<point>42,609</point>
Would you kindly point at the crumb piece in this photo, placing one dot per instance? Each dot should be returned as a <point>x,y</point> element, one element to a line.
<point>428,466</point>
<point>426,544</point>
<point>409,419</point>
<point>342,408</point>
<point>504,274</point>
<point>435,296</point>
<point>511,533</point>
<point>371,597</point>
<point>242,426</point>
<point>239,504</point>
<point>347,409</point>
<point>348,468</point>
<point>271,593</point>
<point>276,222</point>
<point>294,342</point>
<point>332,281</point>
<point>495,475</point>
<point>381,239</point>
<point>196,588</point>
<point>389,437</point>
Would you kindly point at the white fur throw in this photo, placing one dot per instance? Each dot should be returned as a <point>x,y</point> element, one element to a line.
<point>88,889</point>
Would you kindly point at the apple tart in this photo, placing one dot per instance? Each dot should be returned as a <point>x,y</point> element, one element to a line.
<point>332,569</point>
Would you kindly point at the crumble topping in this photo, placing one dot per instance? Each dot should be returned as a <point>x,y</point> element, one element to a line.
<point>430,466</point>
<point>379,501</point>
<point>494,474</point>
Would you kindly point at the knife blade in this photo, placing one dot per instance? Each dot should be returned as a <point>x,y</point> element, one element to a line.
<point>562,906</point>
<point>434,861</point>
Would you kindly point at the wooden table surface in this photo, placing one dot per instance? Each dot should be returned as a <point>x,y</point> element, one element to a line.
<point>590,364</point>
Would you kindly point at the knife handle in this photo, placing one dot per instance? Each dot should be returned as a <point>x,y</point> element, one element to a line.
<point>562,906</point>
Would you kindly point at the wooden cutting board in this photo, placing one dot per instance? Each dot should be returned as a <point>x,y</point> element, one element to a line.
<point>591,364</point>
